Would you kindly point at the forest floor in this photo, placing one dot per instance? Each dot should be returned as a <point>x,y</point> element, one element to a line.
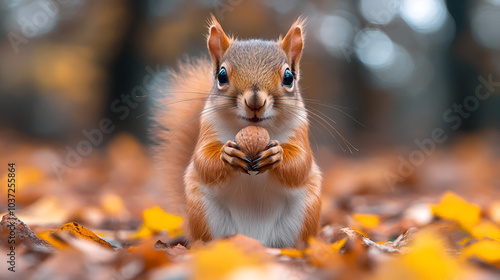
<point>418,215</point>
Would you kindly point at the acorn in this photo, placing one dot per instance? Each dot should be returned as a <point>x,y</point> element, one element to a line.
<point>253,140</point>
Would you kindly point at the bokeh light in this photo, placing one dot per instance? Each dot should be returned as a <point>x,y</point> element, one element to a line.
<point>379,11</point>
<point>485,23</point>
<point>398,72</point>
<point>424,16</point>
<point>374,48</point>
<point>34,18</point>
<point>336,33</point>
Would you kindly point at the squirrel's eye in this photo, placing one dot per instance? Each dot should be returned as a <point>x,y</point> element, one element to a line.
<point>222,76</point>
<point>288,78</point>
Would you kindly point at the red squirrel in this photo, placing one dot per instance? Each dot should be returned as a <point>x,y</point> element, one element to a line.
<point>220,190</point>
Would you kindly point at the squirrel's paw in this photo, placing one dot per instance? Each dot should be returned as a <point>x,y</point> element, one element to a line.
<point>234,158</point>
<point>269,158</point>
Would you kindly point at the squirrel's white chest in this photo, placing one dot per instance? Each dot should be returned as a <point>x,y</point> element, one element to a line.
<point>257,206</point>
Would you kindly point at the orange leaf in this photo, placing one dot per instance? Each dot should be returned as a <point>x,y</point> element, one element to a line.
<point>80,232</point>
<point>146,251</point>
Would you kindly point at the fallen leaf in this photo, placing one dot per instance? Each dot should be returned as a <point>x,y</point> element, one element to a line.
<point>157,220</point>
<point>148,254</point>
<point>80,232</point>
<point>403,240</point>
<point>316,247</point>
<point>485,229</point>
<point>321,254</point>
<point>485,250</point>
<point>218,259</point>
<point>293,253</point>
<point>453,207</point>
<point>366,220</point>
<point>56,242</point>
<point>428,259</point>
<point>356,237</point>
<point>23,234</point>
<point>177,252</point>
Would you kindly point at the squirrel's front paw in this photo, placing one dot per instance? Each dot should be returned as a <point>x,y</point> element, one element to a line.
<point>269,158</point>
<point>234,158</point>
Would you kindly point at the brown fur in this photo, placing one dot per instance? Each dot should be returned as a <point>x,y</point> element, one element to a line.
<point>175,149</point>
<point>252,66</point>
<point>210,168</point>
<point>295,168</point>
<point>310,227</point>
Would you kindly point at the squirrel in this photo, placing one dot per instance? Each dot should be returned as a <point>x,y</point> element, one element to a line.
<point>207,177</point>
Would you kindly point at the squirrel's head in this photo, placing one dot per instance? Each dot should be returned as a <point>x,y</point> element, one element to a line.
<point>260,78</point>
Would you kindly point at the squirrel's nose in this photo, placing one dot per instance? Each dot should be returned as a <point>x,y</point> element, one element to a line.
<point>255,104</point>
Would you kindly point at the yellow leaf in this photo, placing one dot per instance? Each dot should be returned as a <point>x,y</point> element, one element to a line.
<point>157,220</point>
<point>453,207</point>
<point>218,260</point>
<point>426,259</point>
<point>367,220</point>
<point>293,253</point>
<point>337,245</point>
<point>465,240</point>
<point>81,232</point>
<point>316,248</point>
<point>485,229</point>
<point>143,232</point>
<point>486,250</point>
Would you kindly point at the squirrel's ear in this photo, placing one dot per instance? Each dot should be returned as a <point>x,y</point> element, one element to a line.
<point>217,41</point>
<point>293,43</point>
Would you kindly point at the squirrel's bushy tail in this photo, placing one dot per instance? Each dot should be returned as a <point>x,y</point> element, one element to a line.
<point>177,125</point>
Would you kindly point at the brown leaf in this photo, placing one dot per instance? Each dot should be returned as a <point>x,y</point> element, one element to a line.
<point>177,252</point>
<point>355,236</point>
<point>12,226</point>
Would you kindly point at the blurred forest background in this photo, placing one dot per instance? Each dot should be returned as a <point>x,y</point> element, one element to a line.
<point>403,68</point>
<point>397,65</point>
